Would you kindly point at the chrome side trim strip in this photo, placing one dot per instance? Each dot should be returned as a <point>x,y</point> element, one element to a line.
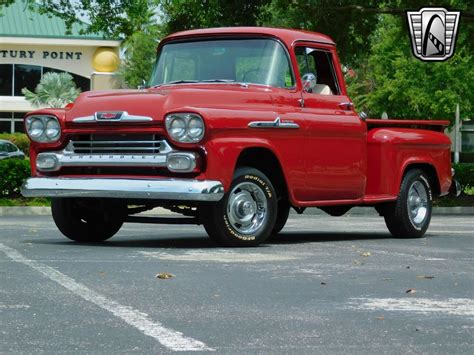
<point>125,117</point>
<point>158,189</point>
<point>273,124</point>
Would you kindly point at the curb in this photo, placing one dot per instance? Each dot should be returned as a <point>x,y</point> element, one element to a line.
<point>356,211</point>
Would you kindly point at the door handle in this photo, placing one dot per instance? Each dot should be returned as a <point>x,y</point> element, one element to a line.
<point>346,106</point>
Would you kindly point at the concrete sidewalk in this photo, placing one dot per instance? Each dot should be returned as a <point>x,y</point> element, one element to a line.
<point>365,211</point>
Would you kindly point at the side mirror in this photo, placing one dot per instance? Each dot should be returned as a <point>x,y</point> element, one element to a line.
<point>142,86</point>
<point>309,82</point>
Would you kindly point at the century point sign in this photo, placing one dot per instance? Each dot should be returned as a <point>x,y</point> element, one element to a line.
<point>32,54</point>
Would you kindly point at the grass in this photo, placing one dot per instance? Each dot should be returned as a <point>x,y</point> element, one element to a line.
<point>22,201</point>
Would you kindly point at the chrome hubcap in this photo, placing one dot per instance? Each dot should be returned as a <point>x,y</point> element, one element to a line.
<point>417,203</point>
<point>247,208</point>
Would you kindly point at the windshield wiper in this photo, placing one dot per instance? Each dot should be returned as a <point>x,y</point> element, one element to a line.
<point>196,81</point>
<point>218,81</point>
<point>176,82</point>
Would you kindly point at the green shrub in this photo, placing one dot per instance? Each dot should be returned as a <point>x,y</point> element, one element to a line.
<point>21,140</point>
<point>466,157</point>
<point>13,173</point>
<point>465,175</point>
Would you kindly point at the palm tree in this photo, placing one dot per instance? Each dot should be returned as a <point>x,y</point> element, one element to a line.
<point>54,90</point>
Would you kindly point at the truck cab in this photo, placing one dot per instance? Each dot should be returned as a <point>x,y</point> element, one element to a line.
<point>236,127</point>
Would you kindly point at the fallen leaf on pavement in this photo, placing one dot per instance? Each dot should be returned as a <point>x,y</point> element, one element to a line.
<point>323,283</point>
<point>365,253</point>
<point>380,318</point>
<point>410,290</point>
<point>164,275</point>
<point>425,277</point>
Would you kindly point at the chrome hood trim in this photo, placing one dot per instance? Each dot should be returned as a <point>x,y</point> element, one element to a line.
<point>124,117</point>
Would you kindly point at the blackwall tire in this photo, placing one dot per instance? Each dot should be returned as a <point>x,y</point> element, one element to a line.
<point>246,215</point>
<point>88,220</point>
<point>282,216</point>
<point>410,215</point>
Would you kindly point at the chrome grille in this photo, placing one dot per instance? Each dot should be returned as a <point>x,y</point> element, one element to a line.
<point>118,144</point>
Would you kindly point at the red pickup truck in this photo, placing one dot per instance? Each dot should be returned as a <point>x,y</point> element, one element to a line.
<point>236,126</point>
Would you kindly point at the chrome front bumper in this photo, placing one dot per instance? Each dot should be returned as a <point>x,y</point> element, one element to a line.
<point>158,189</point>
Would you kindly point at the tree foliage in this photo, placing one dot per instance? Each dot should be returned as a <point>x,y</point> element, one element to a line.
<point>54,90</point>
<point>181,15</point>
<point>139,56</point>
<point>115,18</point>
<point>391,79</point>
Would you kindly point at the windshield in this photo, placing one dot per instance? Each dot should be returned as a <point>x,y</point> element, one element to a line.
<point>257,61</point>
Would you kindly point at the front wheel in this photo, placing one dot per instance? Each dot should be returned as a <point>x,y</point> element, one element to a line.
<point>410,215</point>
<point>282,215</point>
<point>246,214</point>
<point>88,220</point>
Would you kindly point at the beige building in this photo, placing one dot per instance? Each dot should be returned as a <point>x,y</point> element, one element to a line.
<point>32,44</point>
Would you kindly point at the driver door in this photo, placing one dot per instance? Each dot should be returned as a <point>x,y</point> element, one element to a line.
<point>335,144</point>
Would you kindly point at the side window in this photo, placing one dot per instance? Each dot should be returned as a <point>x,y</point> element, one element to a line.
<point>318,62</point>
<point>301,58</point>
<point>11,148</point>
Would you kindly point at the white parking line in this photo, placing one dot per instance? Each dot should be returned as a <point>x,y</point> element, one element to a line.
<point>452,306</point>
<point>169,338</point>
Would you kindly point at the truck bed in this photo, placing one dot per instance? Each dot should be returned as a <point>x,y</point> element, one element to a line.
<point>432,125</point>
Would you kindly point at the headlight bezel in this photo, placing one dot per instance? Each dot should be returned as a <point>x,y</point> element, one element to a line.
<point>186,118</point>
<point>45,121</point>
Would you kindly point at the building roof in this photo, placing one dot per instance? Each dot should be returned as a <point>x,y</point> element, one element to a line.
<point>286,35</point>
<point>19,20</point>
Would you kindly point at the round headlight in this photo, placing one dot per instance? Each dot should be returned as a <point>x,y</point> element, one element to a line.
<point>195,128</point>
<point>185,127</point>
<point>53,129</point>
<point>36,128</point>
<point>43,129</point>
<point>177,128</point>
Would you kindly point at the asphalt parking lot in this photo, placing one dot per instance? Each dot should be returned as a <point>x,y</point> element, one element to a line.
<point>325,285</point>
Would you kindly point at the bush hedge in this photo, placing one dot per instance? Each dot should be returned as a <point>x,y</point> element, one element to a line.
<point>464,173</point>
<point>19,139</point>
<point>13,173</point>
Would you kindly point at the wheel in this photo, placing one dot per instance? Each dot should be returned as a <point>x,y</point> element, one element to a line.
<point>282,215</point>
<point>410,215</point>
<point>246,214</point>
<point>88,220</point>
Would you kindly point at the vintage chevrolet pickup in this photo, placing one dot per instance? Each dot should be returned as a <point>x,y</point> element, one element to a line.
<point>236,126</point>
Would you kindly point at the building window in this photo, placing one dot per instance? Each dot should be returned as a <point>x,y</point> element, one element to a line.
<point>14,77</point>
<point>6,79</point>
<point>81,82</point>
<point>26,76</point>
<point>11,122</point>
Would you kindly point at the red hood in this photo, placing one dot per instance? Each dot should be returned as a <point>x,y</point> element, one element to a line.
<point>156,103</point>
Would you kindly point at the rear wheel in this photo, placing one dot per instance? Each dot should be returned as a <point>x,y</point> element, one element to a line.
<point>410,215</point>
<point>88,220</point>
<point>246,214</point>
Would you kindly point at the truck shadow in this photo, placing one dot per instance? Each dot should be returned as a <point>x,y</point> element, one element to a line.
<point>202,241</point>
